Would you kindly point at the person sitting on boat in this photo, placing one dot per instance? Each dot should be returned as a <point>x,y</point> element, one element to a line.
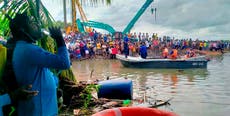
<point>187,53</point>
<point>143,50</point>
<point>165,52</point>
<point>174,53</point>
<point>192,53</point>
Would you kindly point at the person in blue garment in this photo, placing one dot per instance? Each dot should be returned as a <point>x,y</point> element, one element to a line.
<point>32,64</point>
<point>143,50</point>
<point>22,93</point>
<point>126,46</point>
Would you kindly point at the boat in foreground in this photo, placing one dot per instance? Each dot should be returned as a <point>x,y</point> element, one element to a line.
<point>138,62</point>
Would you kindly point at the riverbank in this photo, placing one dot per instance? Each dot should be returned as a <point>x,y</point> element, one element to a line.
<point>80,99</point>
<point>194,91</point>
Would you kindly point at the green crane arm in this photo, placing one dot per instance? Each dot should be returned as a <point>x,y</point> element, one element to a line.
<point>94,24</point>
<point>80,26</point>
<point>137,16</point>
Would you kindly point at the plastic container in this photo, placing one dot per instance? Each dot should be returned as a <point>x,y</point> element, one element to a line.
<point>116,89</point>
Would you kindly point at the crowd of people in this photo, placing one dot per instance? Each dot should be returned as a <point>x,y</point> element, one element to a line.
<point>94,44</point>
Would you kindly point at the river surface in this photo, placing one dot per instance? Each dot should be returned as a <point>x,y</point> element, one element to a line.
<point>195,92</point>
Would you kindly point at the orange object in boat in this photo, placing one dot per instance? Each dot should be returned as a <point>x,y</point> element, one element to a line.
<point>134,111</point>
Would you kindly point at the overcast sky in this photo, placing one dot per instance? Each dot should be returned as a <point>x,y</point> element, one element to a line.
<point>203,19</point>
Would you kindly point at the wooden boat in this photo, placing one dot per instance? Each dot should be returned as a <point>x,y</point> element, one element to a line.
<point>138,62</point>
<point>134,111</point>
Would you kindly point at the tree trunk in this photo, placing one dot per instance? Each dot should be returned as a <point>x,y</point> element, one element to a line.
<point>64,9</point>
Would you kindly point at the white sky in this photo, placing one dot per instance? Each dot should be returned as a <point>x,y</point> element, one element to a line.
<point>203,19</point>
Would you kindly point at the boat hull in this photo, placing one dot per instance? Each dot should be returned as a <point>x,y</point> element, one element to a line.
<point>163,63</point>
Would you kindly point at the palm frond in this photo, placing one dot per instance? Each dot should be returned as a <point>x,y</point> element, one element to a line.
<point>48,19</point>
<point>11,7</point>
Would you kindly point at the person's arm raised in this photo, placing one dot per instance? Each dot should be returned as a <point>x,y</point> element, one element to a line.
<point>55,33</point>
<point>42,58</point>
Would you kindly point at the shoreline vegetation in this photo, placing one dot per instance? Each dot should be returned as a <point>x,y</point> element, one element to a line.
<point>75,104</point>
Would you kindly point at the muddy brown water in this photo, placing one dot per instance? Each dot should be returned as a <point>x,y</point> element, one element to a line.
<point>195,92</point>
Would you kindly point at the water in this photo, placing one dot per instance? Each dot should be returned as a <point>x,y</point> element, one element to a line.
<point>195,92</point>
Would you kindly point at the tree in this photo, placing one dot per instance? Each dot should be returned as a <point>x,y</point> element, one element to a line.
<point>36,9</point>
<point>11,7</point>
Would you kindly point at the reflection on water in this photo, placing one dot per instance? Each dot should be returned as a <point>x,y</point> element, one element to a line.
<point>195,92</point>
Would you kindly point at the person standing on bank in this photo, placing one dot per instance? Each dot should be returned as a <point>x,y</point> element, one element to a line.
<point>31,65</point>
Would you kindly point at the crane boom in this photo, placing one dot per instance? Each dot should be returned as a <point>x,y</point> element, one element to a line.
<point>95,24</point>
<point>137,16</point>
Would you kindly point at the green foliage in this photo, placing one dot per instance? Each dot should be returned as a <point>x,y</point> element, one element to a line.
<point>68,74</point>
<point>86,94</point>
<point>59,24</point>
<point>12,7</point>
<point>47,43</point>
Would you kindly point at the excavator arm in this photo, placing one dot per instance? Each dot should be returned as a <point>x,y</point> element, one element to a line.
<point>107,27</point>
<point>137,16</point>
<point>94,24</point>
